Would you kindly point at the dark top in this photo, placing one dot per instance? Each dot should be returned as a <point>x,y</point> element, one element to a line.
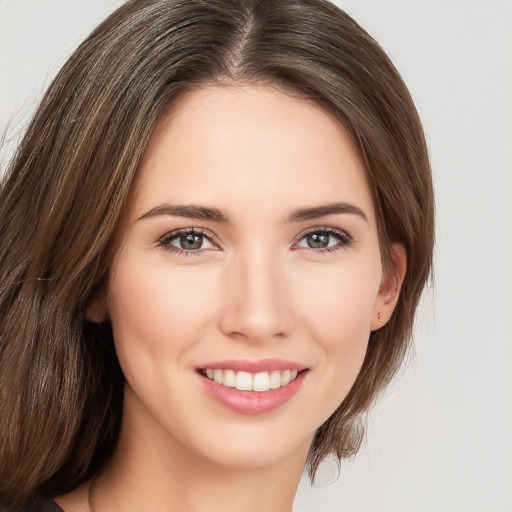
<point>42,505</point>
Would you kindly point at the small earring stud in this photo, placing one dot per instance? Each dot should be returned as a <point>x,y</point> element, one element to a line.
<point>379,316</point>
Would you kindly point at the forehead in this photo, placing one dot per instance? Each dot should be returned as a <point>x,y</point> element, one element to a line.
<point>229,143</point>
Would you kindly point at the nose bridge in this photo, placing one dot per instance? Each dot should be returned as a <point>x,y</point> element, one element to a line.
<point>256,307</point>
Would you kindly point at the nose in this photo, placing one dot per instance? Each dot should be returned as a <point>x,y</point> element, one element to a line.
<point>256,303</point>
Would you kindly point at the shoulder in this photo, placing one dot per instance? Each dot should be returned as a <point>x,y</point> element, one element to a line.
<point>41,505</point>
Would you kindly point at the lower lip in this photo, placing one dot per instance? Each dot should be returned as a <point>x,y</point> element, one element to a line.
<point>252,402</point>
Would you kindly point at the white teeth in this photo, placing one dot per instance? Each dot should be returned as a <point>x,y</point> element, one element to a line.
<point>261,382</point>
<point>229,379</point>
<point>245,381</point>
<point>275,379</point>
<point>218,376</point>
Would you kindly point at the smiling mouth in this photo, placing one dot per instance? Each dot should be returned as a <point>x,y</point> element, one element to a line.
<point>245,381</point>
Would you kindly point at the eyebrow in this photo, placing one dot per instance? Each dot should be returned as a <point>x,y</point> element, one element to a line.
<point>188,211</point>
<point>216,215</point>
<point>323,210</point>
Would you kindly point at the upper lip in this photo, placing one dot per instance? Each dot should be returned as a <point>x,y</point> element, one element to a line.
<point>253,366</point>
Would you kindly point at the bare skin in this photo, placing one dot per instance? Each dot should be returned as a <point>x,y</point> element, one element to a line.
<point>286,268</point>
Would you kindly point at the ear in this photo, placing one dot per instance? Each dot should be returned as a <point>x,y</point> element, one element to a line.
<point>389,289</point>
<point>97,311</point>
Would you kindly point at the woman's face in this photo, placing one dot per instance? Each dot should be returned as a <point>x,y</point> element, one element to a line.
<point>250,257</point>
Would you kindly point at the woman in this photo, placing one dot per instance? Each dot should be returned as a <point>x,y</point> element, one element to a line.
<point>214,237</point>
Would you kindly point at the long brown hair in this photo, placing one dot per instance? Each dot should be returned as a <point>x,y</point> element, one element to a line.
<point>65,191</point>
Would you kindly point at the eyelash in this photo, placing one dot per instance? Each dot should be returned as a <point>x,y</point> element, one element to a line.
<point>343,238</point>
<point>165,241</point>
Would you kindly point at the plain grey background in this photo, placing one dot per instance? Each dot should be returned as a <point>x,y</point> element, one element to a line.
<point>441,438</point>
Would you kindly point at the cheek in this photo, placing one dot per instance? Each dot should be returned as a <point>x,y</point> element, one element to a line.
<point>337,304</point>
<point>337,315</point>
<point>156,313</point>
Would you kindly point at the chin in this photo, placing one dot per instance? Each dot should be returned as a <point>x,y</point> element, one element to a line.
<point>257,451</point>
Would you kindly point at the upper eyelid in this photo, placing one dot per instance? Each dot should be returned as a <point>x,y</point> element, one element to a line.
<point>328,229</point>
<point>181,231</point>
<point>177,232</point>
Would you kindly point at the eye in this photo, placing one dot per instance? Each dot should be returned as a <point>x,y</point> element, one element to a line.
<point>186,241</point>
<point>324,239</point>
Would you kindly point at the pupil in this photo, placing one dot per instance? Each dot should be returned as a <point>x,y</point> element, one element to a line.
<point>318,241</point>
<point>191,241</point>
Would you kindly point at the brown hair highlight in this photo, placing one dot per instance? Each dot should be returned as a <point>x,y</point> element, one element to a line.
<point>65,192</point>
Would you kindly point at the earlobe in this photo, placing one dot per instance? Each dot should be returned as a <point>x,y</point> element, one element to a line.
<point>389,289</point>
<point>97,310</point>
